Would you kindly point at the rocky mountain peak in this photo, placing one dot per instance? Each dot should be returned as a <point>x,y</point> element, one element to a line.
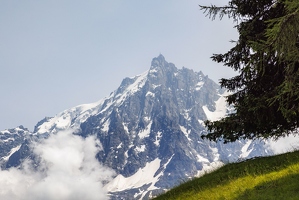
<point>149,129</point>
<point>160,64</point>
<point>158,60</point>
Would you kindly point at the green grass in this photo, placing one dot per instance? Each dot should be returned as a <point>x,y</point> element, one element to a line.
<point>275,177</point>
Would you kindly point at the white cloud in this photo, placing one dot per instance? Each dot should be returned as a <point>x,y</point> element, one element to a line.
<point>68,171</point>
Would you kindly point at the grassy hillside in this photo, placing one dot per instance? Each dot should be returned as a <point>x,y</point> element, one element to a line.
<point>274,177</point>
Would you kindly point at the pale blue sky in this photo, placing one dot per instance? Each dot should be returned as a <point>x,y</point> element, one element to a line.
<point>58,54</point>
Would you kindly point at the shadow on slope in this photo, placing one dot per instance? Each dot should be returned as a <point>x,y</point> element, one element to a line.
<point>286,187</point>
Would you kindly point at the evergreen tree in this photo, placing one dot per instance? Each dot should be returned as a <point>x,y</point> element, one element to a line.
<point>265,93</point>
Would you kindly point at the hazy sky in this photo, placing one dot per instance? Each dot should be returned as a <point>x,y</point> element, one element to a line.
<point>58,54</point>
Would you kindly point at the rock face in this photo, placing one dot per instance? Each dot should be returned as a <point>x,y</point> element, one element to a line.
<point>11,141</point>
<point>150,130</point>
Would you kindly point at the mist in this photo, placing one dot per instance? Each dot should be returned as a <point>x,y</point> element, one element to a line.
<point>68,170</point>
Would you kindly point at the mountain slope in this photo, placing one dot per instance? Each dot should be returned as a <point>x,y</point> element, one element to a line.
<point>150,130</point>
<point>262,178</point>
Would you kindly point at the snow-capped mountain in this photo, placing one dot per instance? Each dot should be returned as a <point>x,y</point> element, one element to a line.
<point>149,128</point>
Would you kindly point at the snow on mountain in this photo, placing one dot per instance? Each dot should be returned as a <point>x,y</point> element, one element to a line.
<point>220,110</point>
<point>149,131</point>
<point>71,118</point>
<point>12,151</point>
<point>143,176</point>
<point>11,141</point>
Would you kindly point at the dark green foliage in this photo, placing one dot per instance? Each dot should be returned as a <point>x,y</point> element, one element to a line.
<point>265,94</point>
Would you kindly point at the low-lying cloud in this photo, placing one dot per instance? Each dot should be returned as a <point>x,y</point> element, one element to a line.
<point>68,171</point>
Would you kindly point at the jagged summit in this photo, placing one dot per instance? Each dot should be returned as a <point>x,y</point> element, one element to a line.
<point>160,59</point>
<point>159,63</point>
